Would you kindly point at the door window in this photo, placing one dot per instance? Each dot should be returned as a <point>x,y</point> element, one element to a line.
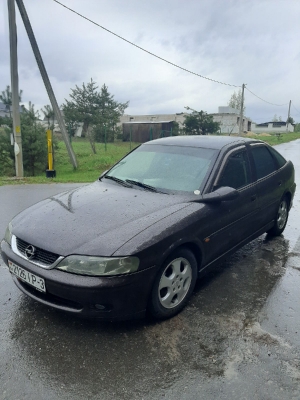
<point>236,173</point>
<point>263,161</point>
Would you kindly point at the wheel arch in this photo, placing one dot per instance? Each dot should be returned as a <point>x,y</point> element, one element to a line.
<point>192,246</point>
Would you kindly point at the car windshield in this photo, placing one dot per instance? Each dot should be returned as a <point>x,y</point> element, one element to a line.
<point>166,167</point>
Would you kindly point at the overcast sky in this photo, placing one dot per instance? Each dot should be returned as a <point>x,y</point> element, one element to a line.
<point>255,42</point>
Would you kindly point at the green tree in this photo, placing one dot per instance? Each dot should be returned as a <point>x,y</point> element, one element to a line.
<point>6,151</point>
<point>34,145</point>
<point>98,111</point>
<point>6,98</point>
<point>290,120</point>
<point>199,123</point>
<point>235,101</point>
<point>297,127</point>
<point>49,115</point>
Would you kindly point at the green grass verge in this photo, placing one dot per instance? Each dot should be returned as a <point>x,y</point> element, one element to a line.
<point>90,165</point>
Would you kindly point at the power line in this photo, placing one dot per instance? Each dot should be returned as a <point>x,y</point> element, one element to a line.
<point>279,105</point>
<point>141,48</point>
<point>296,109</point>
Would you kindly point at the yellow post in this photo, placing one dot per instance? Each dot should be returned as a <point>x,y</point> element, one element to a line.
<point>50,172</point>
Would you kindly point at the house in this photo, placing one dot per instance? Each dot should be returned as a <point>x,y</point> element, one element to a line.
<point>273,126</point>
<point>229,119</point>
<point>6,111</point>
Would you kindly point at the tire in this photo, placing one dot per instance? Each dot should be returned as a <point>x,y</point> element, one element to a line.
<point>174,284</point>
<point>281,218</point>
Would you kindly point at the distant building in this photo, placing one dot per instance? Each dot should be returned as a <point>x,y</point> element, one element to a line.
<point>229,119</point>
<point>6,111</point>
<point>273,126</point>
<point>178,117</point>
<point>141,132</point>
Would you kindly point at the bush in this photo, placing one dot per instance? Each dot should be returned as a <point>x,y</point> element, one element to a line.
<point>34,146</point>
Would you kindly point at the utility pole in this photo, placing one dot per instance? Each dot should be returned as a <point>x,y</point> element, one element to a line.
<point>242,111</point>
<point>289,113</point>
<point>46,80</point>
<point>15,88</point>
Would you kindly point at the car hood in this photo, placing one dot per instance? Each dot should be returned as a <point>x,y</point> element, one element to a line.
<point>95,219</point>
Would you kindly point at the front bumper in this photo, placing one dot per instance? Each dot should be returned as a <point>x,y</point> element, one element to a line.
<point>110,298</point>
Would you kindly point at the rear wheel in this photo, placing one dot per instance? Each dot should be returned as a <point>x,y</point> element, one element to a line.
<point>281,218</point>
<point>174,284</point>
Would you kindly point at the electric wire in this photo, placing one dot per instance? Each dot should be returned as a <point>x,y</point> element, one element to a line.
<point>295,108</point>
<point>273,104</point>
<point>141,48</point>
<point>163,59</point>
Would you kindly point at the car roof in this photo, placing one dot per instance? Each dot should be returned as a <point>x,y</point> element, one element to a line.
<point>205,141</point>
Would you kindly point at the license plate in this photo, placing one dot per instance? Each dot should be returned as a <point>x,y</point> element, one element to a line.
<point>32,279</point>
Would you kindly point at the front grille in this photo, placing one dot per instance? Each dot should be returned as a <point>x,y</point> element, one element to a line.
<point>40,256</point>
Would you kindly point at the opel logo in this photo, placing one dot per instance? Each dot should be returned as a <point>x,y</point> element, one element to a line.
<point>30,252</point>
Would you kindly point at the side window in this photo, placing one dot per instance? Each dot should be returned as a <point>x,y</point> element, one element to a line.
<point>263,161</point>
<point>236,172</point>
<point>280,160</point>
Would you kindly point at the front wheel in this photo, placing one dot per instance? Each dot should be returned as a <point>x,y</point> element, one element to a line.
<point>281,218</point>
<point>174,284</point>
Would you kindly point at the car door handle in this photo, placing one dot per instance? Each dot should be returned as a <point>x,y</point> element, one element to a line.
<point>253,198</point>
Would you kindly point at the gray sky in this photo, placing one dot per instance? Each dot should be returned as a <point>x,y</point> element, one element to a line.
<point>234,41</point>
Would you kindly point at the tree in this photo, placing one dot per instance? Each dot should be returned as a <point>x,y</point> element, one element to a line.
<point>109,113</point>
<point>6,151</point>
<point>199,123</point>
<point>49,115</point>
<point>276,119</point>
<point>290,120</point>
<point>235,101</point>
<point>98,111</point>
<point>34,144</point>
<point>6,98</point>
<point>297,127</point>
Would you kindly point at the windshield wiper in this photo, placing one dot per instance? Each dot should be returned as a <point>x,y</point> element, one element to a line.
<point>144,186</point>
<point>118,180</point>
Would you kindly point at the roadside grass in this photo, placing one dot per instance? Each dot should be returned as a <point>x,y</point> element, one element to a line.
<point>90,165</point>
<point>276,138</point>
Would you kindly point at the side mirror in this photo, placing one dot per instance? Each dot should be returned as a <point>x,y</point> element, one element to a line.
<point>224,193</point>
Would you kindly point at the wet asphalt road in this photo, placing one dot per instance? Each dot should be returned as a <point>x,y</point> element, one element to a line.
<point>239,337</point>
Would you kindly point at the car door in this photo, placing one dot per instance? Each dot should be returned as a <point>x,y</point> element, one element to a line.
<point>268,182</point>
<point>232,221</point>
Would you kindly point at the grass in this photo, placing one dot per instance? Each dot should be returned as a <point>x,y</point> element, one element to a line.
<point>275,139</point>
<point>90,165</point>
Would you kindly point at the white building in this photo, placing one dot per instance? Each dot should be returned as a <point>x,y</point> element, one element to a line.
<point>229,119</point>
<point>178,117</point>
<point>274,126</point>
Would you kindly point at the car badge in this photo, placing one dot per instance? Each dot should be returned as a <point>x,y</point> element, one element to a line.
<point>30,252</point>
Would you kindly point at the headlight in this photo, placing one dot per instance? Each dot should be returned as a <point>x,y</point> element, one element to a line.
<point>8,233</point>
<point>99,266</point>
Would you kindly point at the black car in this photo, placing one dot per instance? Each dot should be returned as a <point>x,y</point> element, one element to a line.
<point>137,239</point>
